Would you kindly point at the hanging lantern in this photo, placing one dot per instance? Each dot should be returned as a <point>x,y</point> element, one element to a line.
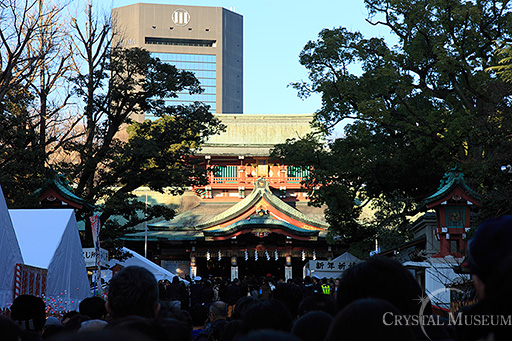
<point>246,255</point>
<point>255,254</point>
<point>288,260</point>
<point>219,256</point>
<point>208,255</point>
<point>303,255</point>
<point>276,256</point>
<point>267,255</point>
<point>314,254</point>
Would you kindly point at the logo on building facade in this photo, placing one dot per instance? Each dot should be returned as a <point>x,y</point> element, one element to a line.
<point>180,17</point>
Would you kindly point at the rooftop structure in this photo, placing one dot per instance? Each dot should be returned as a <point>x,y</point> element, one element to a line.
<point>205,40</point>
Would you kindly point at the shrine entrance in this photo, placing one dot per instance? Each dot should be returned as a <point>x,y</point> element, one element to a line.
<point>257,255</point>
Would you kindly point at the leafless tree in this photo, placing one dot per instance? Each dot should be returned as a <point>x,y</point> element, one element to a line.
<point>21,22</point>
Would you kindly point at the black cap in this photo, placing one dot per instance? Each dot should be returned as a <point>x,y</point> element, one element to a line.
<point>491,243</point>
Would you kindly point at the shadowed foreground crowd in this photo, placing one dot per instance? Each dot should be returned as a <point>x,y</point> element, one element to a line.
<point>372,301</point>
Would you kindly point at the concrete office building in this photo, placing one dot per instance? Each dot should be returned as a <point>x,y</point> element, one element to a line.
<point>205,40</point>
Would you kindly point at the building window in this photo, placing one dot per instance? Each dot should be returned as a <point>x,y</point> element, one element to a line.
<point>204,67</point>
<point>179,42</point>
<point>225,174</point>
<point>297,172</point>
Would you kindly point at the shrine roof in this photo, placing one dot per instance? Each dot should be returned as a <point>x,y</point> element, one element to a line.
<point>450,181</point>
<point>60,184</point>
<point>165,235</point>
<point>204,219</point>
<point>255,134</point>
<point>261,190</point>
<point>193,217</point>
<point>258,221</point>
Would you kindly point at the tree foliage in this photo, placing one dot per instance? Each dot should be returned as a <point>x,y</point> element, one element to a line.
<point>414,110</point>
<point>504,67</point>
<point>95,142</point>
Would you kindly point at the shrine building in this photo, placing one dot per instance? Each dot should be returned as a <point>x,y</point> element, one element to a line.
<point>252,218</point>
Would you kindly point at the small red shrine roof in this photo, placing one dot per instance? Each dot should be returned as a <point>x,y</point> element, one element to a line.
<point>451,181</point>
<point>57,192</point>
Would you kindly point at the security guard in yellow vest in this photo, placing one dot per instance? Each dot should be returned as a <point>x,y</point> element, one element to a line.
<point>326,288</point>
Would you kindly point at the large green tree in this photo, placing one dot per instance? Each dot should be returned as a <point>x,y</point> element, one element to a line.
<point>414,110</point>
<point>115,84</point>
<point>103,152</point>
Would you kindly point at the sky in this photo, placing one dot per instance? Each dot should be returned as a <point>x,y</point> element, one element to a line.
<point>274,34</point>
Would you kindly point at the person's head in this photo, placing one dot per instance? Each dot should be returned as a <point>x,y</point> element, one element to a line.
<point>268,335</point>
<point>199,315</point>
<point>290,294</point>
<point>142,327</point>
<point>68,315</point>
<point>169,309</point>
<point>312,326</point>
<point>29,312</point>
<point>242,305</point>
<point>175,279</point>
<point>268,314</point>
<point>176,330</point>
<point>133,291</point>
<point>218,311</point>
<point>489,245</point>
<point>317,301</point>
<point>381,277</point>
<point>230,330</point>
<point>498,297</point>
<point>74,323</point>
<point>365,319</point>
<point>94,307</point>
<point>9,330</point>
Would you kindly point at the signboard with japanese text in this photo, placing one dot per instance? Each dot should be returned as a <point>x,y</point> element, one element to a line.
<point>90,257</point>
<point>326,266</point>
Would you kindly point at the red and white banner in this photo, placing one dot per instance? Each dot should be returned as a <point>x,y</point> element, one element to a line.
<point>29,280</point>
<point>95,227</point>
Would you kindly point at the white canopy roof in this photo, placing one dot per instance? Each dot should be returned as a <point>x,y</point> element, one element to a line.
<point>347,257</point>
<point>10,254</point>
<point>138,260</point>
<point>49,239</point>
<point>330,269</point>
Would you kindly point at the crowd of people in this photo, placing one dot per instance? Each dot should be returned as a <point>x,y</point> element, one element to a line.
<point>361,305</point>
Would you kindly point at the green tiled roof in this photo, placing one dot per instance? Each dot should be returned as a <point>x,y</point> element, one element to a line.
<point>61,184</point>
<point>453,178</point>
<point>165,235</point>
<point>261,190</point>
<point>255,134</point>
<point>193,224</point>
<point>267,221</point>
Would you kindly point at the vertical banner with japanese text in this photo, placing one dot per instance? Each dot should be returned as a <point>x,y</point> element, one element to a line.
<point>96,226</point>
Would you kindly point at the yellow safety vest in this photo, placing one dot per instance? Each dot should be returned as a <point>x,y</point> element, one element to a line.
<point>326,289</point>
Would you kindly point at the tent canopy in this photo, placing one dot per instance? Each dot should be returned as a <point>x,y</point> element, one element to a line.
<point>330,268</point>
<point>10,254</point>
<point>49,239</point>
<point>347,257</point>
<point>138,260</point>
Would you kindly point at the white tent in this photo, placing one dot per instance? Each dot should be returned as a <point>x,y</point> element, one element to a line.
<point>10,254</point>
<point>49,239</point>
<point>138,260</point>
<point>330,269</point>
<point>347,257</point>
